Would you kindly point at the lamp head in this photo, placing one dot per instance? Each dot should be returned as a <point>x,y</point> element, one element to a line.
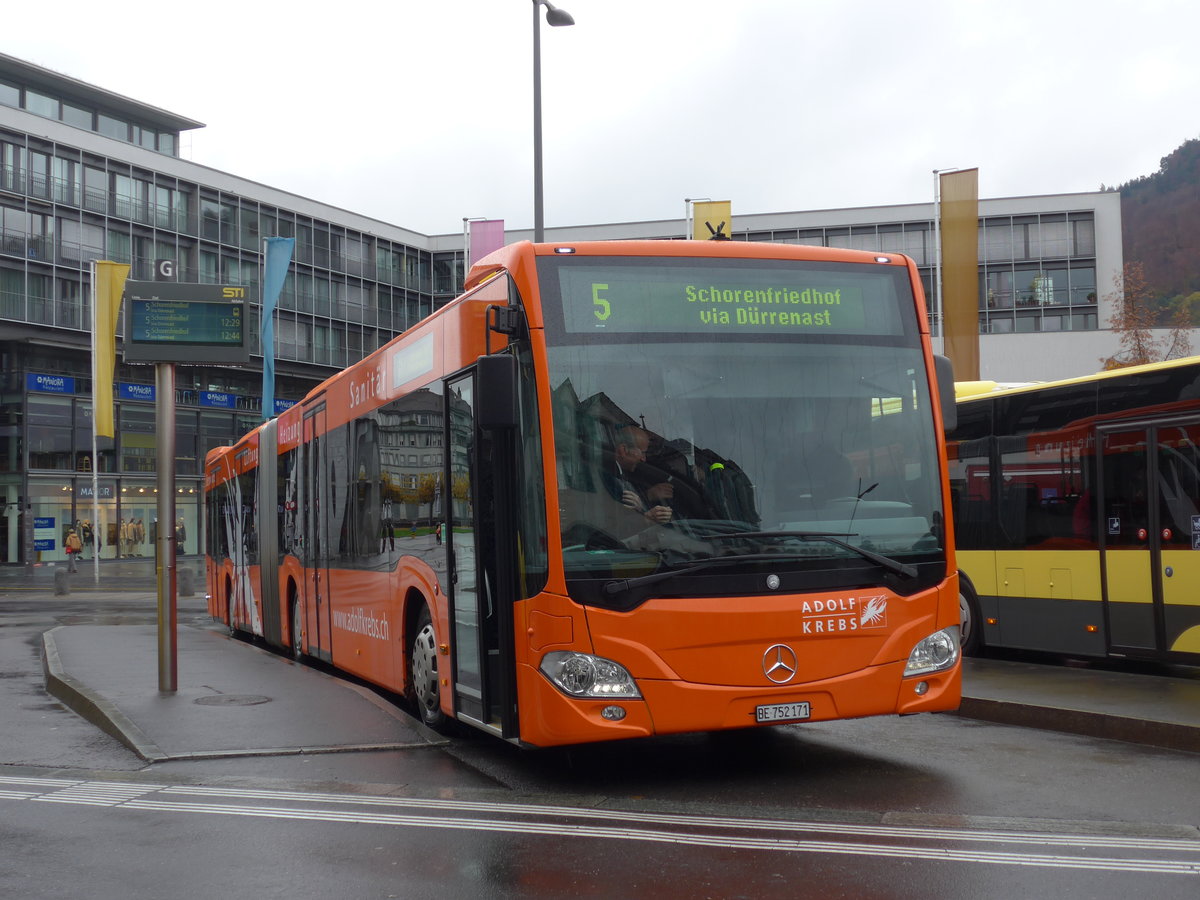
<point>556,16</point>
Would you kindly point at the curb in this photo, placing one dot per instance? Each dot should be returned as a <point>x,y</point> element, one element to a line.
<point>91,706</point>
<point>1164,735</point>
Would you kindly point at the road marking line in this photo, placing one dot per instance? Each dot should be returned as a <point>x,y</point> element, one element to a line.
<point>680,829</point>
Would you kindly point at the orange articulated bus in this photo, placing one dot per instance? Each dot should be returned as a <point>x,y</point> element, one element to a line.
<point>616,490</point>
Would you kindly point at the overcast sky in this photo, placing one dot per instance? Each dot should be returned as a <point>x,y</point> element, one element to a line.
<point>420,113</point>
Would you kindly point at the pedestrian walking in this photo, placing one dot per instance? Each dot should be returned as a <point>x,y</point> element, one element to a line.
<point>74,548</point>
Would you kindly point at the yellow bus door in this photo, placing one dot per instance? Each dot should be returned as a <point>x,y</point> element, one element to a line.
<point>1177,480</point>
<point>1150,538</point>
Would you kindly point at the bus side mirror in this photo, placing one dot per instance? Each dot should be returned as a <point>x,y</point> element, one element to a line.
<point>496,391</point>
<point>945,382</point>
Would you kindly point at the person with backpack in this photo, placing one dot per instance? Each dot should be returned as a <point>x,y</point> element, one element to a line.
<point>74,548</point>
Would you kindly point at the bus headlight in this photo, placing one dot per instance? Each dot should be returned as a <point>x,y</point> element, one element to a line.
<point>937,652</point>
<point>584,675</point>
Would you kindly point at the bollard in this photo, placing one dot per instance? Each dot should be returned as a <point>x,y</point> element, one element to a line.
<point>62,586</point>
<point>185,585</point>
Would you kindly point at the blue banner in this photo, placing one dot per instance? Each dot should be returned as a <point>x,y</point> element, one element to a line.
<point>136,392</point>
<point>278,257</point>
<point>49,384</point>
<point>218,399</point>
<point>44,537</point>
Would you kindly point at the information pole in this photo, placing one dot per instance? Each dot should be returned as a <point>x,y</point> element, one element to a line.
<point>164,544</point>
<point>168,322</point>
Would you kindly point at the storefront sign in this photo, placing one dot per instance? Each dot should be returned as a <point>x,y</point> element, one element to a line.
<point>105,490</point>
<point>49,384</point>
<point>218,399</point>
<point>137,392</point>
<point>44,537</point>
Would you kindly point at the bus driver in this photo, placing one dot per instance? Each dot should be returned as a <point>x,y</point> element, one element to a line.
<point>629,451</point>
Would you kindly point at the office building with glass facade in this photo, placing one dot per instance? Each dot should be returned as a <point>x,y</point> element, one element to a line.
<point>86,174</point>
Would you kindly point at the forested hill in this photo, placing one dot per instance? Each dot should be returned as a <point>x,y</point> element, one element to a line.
<point>1161,223</point>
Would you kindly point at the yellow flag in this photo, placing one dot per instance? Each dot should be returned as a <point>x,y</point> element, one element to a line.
<point>110,285</point>
<point>712,220</point>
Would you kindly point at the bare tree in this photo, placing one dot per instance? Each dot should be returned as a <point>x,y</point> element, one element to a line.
<point>1134,318</point>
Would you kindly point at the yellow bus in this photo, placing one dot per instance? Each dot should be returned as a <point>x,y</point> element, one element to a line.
<point>1077,514</point>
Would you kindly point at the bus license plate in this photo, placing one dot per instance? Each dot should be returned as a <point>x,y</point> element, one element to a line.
<point>782,712</point>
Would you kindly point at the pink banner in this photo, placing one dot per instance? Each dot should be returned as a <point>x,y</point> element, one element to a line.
<point>486,235</point>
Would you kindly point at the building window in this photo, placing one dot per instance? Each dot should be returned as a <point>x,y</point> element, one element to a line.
<point>77,116</point>
<point>95,189</point>
<point>67,188</point>
<point>49,431</point>
<point>41,104</point>
<point>112,127</point>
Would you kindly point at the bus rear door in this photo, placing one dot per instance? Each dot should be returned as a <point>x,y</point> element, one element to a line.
<point>317,515</point>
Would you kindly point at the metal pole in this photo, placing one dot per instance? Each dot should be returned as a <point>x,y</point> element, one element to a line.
<point>164,544</point>
<point>538,225</point>
<point>95,541</point>
<point>937,265</point>
<point>939,342</point>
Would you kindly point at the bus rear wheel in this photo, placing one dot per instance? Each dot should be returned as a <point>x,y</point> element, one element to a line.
<point>423,665</point>
<point>297,629</point>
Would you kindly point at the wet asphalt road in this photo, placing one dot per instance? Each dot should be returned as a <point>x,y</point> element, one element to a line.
<point>923,806</point>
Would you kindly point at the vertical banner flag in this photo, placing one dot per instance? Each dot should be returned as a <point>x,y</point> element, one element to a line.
<point>959,193</point>
<point>109,282</point>
<point>712,220</point>
<point>277,254</point>
<point>486,235</point>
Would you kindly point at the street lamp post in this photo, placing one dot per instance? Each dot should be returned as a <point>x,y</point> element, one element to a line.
<point>556,17</point>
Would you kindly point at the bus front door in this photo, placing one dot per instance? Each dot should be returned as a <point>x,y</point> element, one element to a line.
<point>467,506</point>
<point>317,514</point>
<point>1150,535</point>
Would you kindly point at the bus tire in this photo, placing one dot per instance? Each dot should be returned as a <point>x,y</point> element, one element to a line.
<point>297,626</point>
<point>229,606</point>
<point>423,667</point>
<point>970,622</point>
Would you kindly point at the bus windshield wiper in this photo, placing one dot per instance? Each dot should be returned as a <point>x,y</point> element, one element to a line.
<point>832,537</point>
<point>625,584</point>
<point>886,562</point>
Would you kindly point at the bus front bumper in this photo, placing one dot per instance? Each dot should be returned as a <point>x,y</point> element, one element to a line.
<point>675,707</point>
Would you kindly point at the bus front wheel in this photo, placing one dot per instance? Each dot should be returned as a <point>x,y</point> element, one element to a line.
<point>423,665</point>
<point>969,621</point>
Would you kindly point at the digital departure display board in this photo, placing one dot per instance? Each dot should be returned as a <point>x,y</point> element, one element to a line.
<point>173,322</point>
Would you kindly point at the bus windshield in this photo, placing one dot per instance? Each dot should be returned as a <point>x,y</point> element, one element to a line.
<point>682,438</point>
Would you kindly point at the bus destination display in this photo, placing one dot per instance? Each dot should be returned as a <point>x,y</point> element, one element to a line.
<point>175,322</point>
<point>743,301</point>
